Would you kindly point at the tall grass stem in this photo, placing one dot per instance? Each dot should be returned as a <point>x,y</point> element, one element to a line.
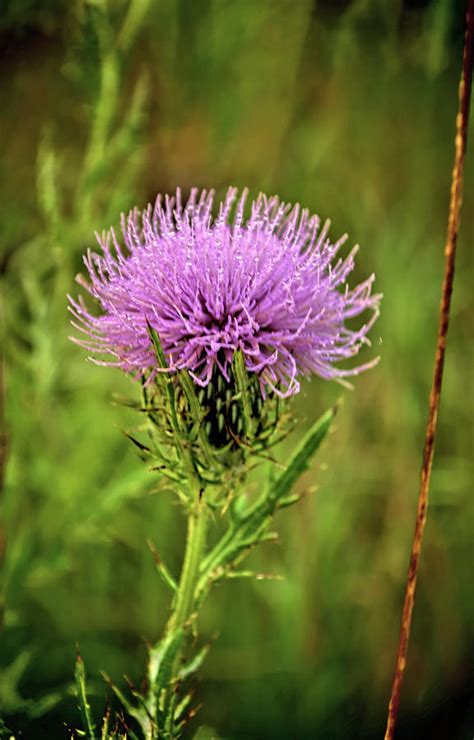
<point>462,122</point>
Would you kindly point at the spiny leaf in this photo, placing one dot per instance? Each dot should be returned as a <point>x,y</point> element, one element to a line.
<point>161,659</point>
<point>182,706</point>
<point>132,710</point>
<point>289,500</point>
<point>253,574</point>
<point>162,665</point>
<point>194,664</point>
<point>300,459</point>
<point>168,473</point>
<point>249,529</point>
<point>161,568</point>
<point>80,677</point>
<point>170,651</point>
<point>127,733</point>
<point>282,485</point>
<point>238,547</point>
<point>237,508</point>
<point>104,735</point>
<point>143,448</point>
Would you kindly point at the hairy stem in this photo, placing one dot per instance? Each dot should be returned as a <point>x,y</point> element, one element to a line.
<point>462,120</point>
<point>184,603</point>
<point>195,543</point>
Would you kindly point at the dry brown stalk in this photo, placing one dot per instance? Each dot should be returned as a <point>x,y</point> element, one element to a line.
<point>462,121</point>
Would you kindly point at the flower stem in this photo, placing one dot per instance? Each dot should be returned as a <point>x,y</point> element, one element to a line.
<point>184,603</point>
<point>195,543</point>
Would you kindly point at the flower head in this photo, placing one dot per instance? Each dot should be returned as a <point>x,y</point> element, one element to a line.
<point>270,285</point>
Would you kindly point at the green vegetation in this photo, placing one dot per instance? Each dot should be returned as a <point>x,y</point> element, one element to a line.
<point>349,109</point>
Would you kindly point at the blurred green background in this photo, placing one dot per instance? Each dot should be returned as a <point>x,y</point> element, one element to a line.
<point>347,107</point>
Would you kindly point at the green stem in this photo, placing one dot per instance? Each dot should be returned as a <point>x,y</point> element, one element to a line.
<point>185,598</point>
<point>195,543</point>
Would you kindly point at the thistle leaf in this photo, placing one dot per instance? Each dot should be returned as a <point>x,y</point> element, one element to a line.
<point>289,500</point>
<point>281,486</point>
<point>171,475</point>
<point>252,574</point>
<point>237,508</point>
<point>194,664</point>
<point>104,734</point>
<point>248,530</point>
<point>161,660</point>
<point>182,706</point>
<point>171,648</point>
<point>162,568</point>
<point>300,459</point>
<point>84,706</point>
<point>140,715</point>
<point>144,450</point>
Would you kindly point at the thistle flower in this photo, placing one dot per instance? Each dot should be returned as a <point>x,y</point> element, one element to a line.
<point>269,285</point>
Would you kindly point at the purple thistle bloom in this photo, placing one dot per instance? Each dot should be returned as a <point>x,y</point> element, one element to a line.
<point>268,285</point>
